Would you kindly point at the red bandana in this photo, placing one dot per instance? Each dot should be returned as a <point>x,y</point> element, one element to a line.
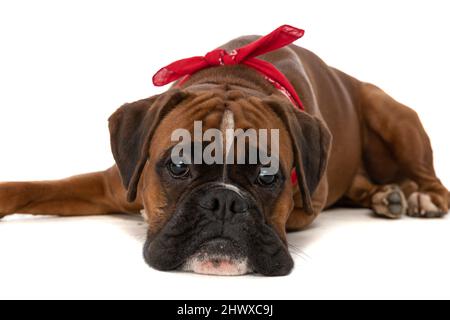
<point>281,37</point>
<point>246,55</point>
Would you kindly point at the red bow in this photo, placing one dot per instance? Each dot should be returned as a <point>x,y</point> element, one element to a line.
<point>246,55</point>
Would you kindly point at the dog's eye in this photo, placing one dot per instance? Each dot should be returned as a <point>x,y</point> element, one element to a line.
<point>178,170</point>
<point>265,178</point>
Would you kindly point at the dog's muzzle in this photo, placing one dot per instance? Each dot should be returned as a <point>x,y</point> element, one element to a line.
<point>221,256</point>
<point>218,229</point>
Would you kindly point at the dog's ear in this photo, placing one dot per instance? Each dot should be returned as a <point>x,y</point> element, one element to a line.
<point>311,145</point>
<point>132,128</point>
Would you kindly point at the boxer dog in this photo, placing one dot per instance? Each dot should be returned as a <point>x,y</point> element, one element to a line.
<point>351,145</point>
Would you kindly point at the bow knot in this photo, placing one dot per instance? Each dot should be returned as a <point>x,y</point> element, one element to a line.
<point>221,57</point>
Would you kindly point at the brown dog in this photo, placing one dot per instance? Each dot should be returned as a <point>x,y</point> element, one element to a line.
<point>354,145</point>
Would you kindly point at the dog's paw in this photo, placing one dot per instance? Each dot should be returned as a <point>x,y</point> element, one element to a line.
<point>6,200</point>
<point>390,202</point>
<point>421,205</point>
<point>2,213</point>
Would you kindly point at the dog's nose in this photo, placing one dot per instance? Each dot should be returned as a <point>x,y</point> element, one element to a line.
<point>224,202</point>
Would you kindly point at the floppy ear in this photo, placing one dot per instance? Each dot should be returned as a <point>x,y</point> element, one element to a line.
<point>132,128</point>
<point>311,144</point>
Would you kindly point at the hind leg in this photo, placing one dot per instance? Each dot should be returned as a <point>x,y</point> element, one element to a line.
<point>399,129</point>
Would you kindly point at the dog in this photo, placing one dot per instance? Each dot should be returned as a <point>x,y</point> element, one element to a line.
<point>352,145</point>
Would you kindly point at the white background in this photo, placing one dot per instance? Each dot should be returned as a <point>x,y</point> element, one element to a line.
<point>65,66</point>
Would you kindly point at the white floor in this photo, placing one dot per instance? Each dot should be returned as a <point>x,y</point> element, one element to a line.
<point>346,254</point>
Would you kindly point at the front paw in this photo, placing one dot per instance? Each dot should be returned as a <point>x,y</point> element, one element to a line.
<point>4,212</point>
<point>9,195</point>
<point>390,202</point>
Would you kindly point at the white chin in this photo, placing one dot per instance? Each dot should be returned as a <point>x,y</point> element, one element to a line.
<point>217,265</point>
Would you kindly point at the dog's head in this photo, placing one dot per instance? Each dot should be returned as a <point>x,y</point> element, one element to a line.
<point>217,218</point>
